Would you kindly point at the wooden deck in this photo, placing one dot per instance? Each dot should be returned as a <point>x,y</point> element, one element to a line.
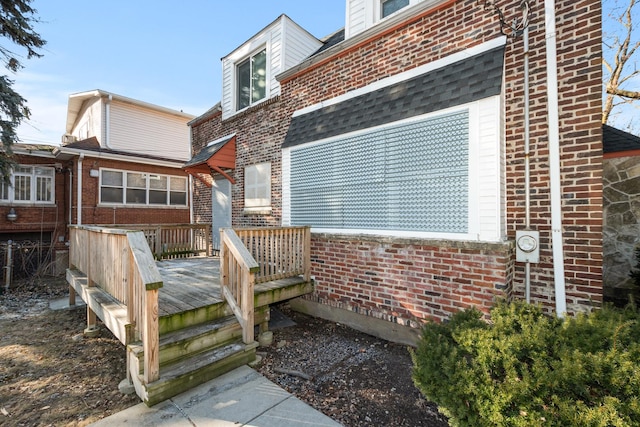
<point>193,283</point>
<point>186,320</point>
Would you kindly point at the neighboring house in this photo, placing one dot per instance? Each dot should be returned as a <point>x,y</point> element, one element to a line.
<point>125,158</point>
<point>33,212</point>
<point>400,140</point>
<point>621,195</point>
<point>120,163</point>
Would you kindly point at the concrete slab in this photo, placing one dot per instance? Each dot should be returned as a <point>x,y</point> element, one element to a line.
<point>241,397</point>
<point>63,303</point>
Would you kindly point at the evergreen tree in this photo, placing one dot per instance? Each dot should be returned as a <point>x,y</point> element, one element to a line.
<point>16,30</point>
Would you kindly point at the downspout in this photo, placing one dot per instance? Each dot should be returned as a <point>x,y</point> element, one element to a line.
<point>554,157</point>
<point>107,120</point>
<point>527,161</point>
<point>80,159</point>
<point>70,196</point>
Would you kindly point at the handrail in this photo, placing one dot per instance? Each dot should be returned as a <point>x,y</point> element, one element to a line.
<point>237,279</point>
<point>280,251</point>
<point>120,263</point>
<point>169,241</point>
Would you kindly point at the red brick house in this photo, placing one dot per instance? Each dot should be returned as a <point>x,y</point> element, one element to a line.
<point>401,141</point>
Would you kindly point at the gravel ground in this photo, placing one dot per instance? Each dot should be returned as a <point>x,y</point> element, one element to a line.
<point>356,379</point>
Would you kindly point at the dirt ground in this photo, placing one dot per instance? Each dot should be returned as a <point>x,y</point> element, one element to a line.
<point>50,374</point>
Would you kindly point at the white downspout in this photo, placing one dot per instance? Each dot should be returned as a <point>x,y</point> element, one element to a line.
<point>79,221</point>
<point>554,157</point>
<point>70,195</point>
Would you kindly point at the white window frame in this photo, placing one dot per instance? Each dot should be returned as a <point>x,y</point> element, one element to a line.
<point>236,65</point>
<point>36,180</point>
<point>485,214</point>
<point>257,180</point>
<point>148,177</point>
<point>381,8</point>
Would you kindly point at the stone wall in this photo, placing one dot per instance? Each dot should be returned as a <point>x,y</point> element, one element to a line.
<point>621,198</point>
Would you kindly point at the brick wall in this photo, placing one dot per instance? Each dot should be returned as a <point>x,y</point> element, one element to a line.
<point>36,218</point>
<point>409,281</point>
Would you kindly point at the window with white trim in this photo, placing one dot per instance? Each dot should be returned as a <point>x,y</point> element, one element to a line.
<point>257,186</point>
<point>140,188</point>
<point>29,184</point>
<point>251,80</point>
<point>388,7</point>
<point>409,177</point>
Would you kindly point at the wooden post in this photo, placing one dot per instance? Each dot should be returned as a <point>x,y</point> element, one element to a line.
<point>72,296</point>
<point>307,254</point>
<point>158,243</point>
<point>247,298</point>
<point>151,343</point>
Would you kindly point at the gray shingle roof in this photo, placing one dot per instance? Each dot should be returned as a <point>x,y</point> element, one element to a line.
<point>471,79</point>
<point>615,140</point>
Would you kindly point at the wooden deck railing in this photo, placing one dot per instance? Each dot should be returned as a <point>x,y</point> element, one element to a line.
<point>120,263</point>
<point>280,252</point>
<point>237,279</point>
<point>256,255</point>
<point>169,241</point>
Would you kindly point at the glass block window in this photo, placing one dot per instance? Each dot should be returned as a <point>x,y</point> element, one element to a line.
<point>137,188</point>
<point>29,184</point>
<point>251,77</point>
<point>392,6</point>
<point>409,177</point>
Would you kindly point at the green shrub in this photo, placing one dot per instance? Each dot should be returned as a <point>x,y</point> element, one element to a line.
<point>529,369</point>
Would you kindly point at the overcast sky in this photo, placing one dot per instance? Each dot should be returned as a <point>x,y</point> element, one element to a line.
<point>158,51</point>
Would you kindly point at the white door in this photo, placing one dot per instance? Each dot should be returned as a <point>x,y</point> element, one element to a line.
<point>220,209</point>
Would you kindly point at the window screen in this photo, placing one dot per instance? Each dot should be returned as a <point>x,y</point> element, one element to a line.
<point>409,177</point>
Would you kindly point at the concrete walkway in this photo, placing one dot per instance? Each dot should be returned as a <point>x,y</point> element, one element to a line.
<point>242,397</point>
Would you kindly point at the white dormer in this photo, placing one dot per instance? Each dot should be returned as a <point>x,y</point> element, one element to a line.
<point>363,14</point>
<point>248,73</point>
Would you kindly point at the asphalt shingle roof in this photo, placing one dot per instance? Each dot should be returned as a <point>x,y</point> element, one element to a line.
<point>468,80</point>
<point>615,140</point>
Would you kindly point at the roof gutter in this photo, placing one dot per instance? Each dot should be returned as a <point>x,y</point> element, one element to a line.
<point>72,152</point>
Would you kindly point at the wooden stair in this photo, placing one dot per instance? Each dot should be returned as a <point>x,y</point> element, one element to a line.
<point>194,354</point>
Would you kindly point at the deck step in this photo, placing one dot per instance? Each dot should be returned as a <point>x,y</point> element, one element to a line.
<point>195,370</point>
<point>192,340</point>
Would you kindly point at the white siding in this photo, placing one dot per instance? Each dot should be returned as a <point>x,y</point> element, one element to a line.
<point>144,131</point>
<point>489,173</point>
<point>90,118</point>
<point>364,14</point>
<point>356,17</point>
<point>299,44</point>
<point>287,45</point>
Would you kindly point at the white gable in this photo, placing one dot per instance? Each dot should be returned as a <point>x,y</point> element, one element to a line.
<point>286,44</point>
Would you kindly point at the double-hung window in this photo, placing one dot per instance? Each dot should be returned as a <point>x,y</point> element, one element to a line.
<point>251,76</point>
<point>257,187</point>
<point>29,184</point>
<point>139,188</point>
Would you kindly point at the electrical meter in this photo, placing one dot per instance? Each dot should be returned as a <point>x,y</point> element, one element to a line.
<point>527,246</point>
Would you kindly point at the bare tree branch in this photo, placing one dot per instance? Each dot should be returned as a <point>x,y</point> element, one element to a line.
<point>622,47</point>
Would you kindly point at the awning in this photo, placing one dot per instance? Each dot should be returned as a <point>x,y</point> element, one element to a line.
<point>218,156</point>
